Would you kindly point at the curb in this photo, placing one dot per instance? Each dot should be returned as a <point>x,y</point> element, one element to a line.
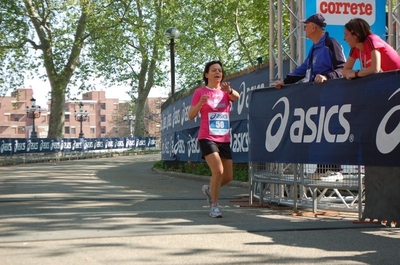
<point>233,183</point>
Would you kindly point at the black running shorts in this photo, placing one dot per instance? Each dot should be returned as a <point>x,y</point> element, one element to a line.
<point>207,147</point>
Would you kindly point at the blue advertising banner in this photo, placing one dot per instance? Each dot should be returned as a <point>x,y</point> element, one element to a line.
<point>11,146</point>
<point>184,145</point>
<point>348,122</point>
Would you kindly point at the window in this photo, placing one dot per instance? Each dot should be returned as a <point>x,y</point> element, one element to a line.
<point>103,106</point>
<point>73,131</point>
<point>16,118</point>
<point>92,131</point>
<point>67,117</point>
<point>67,130</point>
<point>103,129</point>
<point>103,118</point>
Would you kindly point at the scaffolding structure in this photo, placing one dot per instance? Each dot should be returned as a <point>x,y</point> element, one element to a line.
<point>296,184</point>
<point>291,47</point>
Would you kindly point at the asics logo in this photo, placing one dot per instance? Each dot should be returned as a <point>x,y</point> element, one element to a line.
<point>218,116</point>
<point>304,118</point>
<point>387,142</point>
<point>272,141</point>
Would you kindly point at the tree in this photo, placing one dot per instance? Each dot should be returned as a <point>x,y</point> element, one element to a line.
<point>134,53</point>
<point>51,34</point>
<point>120,126</point>
<point>122,41</point>
<point>137,50</point>
<point>235,32</point>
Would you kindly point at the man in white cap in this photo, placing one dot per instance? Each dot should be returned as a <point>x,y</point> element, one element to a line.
<point>325,59</point>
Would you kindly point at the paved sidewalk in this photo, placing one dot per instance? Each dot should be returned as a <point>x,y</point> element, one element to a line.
<point>119,211</point>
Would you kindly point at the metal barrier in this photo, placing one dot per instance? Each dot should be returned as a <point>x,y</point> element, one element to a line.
<point>308,185</point>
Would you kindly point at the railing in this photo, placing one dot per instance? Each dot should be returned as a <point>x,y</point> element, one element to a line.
<point>308,185</point>
<point>17,150</point>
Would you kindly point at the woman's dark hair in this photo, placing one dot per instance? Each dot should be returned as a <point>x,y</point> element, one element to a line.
<point>359,27</point>
<point>207,69</point>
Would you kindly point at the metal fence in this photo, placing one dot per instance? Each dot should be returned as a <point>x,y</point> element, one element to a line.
<point>308,185</point>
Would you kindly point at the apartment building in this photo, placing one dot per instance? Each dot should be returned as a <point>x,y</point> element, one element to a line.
<point>97,112</point>
<point>14,120</point>
<point>102,117</point>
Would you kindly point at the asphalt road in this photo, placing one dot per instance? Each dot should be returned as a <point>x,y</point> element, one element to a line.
<point>119,211</point>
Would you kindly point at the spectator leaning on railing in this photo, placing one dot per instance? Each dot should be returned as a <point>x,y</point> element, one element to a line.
<point>374,53</point>
<point>325,59</point>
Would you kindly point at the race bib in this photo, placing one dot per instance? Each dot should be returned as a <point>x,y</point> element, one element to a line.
<point>218,123</point>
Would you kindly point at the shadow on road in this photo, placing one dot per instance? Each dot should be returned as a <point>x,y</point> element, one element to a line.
<point>124,197</point>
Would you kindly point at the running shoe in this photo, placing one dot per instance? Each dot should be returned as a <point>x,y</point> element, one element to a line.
<point>207,192</point>
<point>332,176</point>
<point>215,212</point>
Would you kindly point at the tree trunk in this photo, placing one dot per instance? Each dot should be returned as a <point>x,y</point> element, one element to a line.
<point>140,129</point>
<point>57,113</point>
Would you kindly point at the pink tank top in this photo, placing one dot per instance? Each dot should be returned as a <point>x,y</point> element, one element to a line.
<point>215,114</point>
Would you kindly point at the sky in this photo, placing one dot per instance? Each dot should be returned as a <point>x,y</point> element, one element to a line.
<point>41,90</point>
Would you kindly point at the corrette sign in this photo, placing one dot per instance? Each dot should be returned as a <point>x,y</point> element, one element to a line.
<point>336,12</point>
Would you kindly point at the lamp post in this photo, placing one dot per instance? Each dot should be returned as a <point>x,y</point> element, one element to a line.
<point>81,116</point>
<point>33,113</point>
<point>172,33</point>
<point>129,118</point>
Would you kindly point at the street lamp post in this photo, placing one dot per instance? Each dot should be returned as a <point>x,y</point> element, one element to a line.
<point>33,113</point>
<point>81,116</point>
<point>172,33</point>
<point>129,118</point>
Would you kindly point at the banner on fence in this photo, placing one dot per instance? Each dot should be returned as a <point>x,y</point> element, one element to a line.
<point>348,122</point>
<point>11,146</point>
<point>183,145</point>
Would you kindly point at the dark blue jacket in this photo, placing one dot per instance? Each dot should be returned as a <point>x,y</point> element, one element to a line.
<point>328,59</point>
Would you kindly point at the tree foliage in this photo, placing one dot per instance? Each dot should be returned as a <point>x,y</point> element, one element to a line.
<point>122,42</point>
<point>232,31</point>
<point>50,35</point>
<point>131,54</point>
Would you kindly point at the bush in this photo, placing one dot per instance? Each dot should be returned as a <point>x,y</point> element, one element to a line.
<point>240,171</point>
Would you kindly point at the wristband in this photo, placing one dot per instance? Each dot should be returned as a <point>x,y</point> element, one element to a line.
<point>230,93</point>
<point>356,73</point>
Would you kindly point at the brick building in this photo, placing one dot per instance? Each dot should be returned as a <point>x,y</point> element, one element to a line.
<point>104,116</point>
<point>14,122</point>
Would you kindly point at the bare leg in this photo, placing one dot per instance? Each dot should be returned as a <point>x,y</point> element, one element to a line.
<point>227,175</point>
<point>221,174</point>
